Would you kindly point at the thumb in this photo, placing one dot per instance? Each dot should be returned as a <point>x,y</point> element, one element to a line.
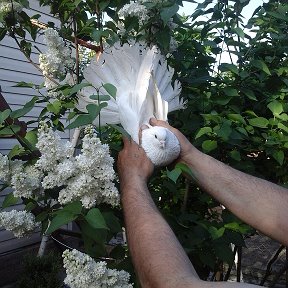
<point>143,127</point>
<point>125,140</point>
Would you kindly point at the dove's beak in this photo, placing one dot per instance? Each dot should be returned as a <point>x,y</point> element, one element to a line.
<point>162,144</point>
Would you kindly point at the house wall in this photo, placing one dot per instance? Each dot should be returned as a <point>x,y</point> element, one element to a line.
<point>14,67</point>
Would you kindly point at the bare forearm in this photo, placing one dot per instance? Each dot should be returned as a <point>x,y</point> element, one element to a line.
<point>159,259</point>
<point>259,203</point>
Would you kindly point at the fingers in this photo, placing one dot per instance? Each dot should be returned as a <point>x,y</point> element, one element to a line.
<point>126,140</point>
<point>155,122</point>
<point>143,127</point>
<point>129,143</point>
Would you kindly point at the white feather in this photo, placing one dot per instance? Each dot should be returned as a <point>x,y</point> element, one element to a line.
<point>143,81</point>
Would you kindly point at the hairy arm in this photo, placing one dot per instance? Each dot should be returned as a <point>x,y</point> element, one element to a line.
<point>257,202</point>
<point>158,257</point>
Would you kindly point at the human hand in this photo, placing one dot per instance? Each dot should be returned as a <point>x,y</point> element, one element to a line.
<point>133,164</point>
<point>186,147</point>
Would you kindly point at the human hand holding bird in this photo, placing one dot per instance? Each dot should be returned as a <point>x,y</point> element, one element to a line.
<point>144,90</point>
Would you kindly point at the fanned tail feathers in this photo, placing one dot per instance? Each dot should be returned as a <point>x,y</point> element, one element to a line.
<point>143,81</point>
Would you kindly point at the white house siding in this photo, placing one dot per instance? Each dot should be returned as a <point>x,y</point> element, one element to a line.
<point>14,67</point>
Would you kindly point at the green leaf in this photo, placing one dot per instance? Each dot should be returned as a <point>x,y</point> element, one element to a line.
<point>25,3</point>
<point>216,233</point>
<point>111,89</point>
<point>54,107</point>
<point>242,130</point>
<point>163,39</point>
<point>228,67</point>
<point>3,32</point>
<point>78,87</point>
<point>4,115</point>
<point>71,115</point>
<point>185,169</point>
<point>31,136</point>
<point>120,130</point>
<point>10,200</point>
<point>261,65</point>
<point>97,235</point>
<point>41,216</point>
<point>235,237</point>
<point>260,122</point>
<point>74,208</point>
<point>168,12</point>
<point>10,130</point>
<point>233,226</point>
<point>278,156</point>
<point>279,16</point>
<point>236,118</point>
<point>224,253</point>
<point>15,151</point>
<point>209,145</point>
<point>249,93</point>
<point>96,35</point>
<point>283,116</point>
<point>235,155</point>
<point>223,131</point>
<point>174,174</point>
<point>203,131</point>
<point>239,32</point>
<point>26,108</point>
<point>95,219</point>
<point>94,109</point>
<point>30,206</point>
<point>112,222</point>
<point>24,85</point>
<point>81,120</point>
<point>86,119</point>
<point>100,97</point>
<point>231,92</point>
<point>103,4</point>
<point>62,218</point>
<point>276,107</point>
<point>283,127</point>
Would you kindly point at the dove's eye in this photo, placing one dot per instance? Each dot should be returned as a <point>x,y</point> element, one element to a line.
<point>155,136</point>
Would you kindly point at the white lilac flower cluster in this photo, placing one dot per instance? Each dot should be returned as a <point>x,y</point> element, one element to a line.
<point>4,168</point>
<point>23,179</point>
<point>7,6</point>
<point>19,222</point>
<point>57,60</point>
<point>51,148</point>
<point>83,272</point>
<point>137,9</point>
<point>88,177</point>
<point>134,9</point>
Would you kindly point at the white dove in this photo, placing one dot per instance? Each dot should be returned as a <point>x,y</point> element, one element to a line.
<point>143,81</point>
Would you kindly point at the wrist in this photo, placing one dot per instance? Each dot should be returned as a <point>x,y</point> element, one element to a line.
<point>133,179</point>
<point>189,154</point>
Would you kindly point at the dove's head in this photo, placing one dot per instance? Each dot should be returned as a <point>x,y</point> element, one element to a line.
<point>157,135</point>
<point>160,145</point>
